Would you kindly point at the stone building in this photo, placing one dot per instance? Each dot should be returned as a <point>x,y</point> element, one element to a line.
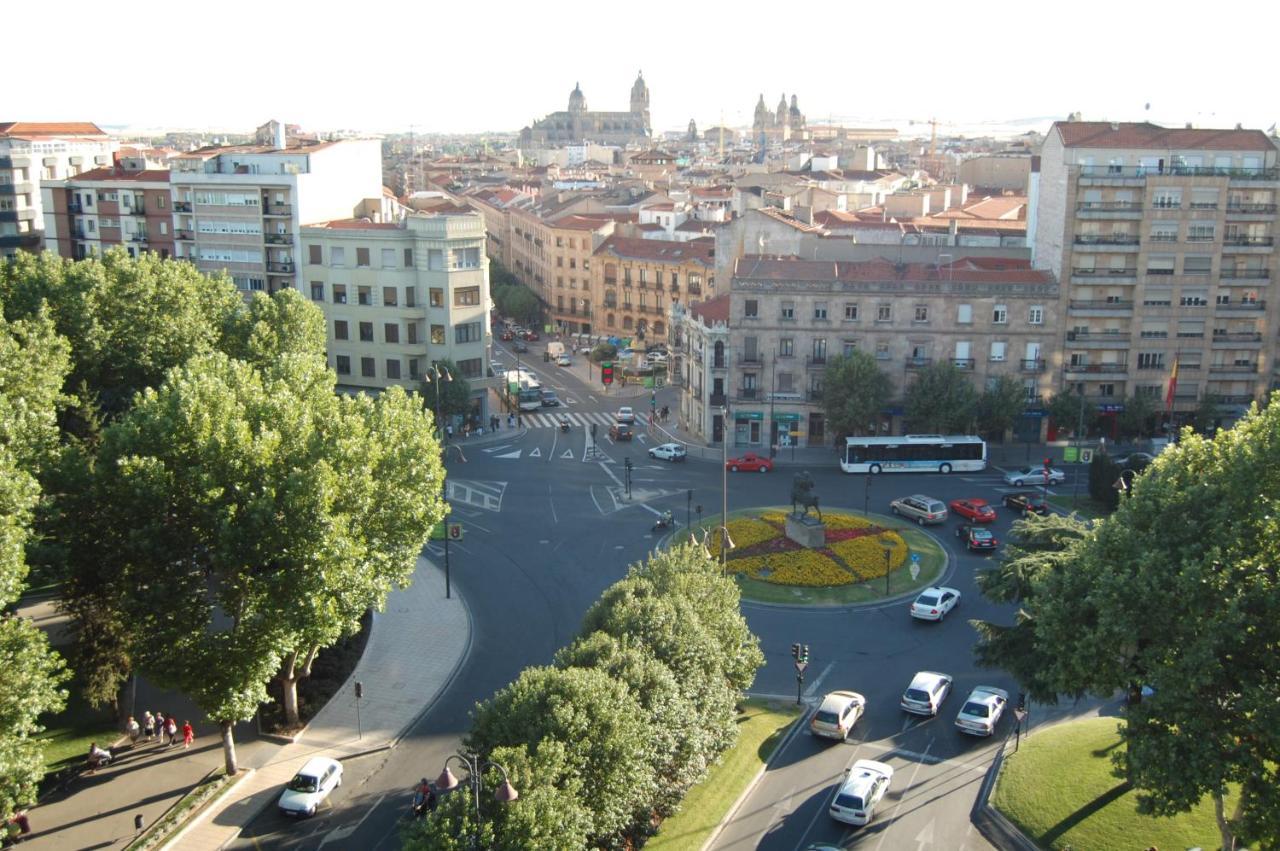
<point>635,280</point>
<point>780,125</point>
<point>577,124</point>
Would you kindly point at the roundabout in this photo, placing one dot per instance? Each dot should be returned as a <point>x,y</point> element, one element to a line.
<point>861,559</point>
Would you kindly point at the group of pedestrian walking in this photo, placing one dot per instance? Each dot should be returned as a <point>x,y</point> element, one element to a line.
<point>158,727</point>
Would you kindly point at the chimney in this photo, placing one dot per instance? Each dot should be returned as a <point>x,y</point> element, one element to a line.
<point>1115,125</point>
<point>281,141</point>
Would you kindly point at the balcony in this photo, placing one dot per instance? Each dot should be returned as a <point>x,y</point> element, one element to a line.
<point>1237,337</point>
<point>919,363</point>
<point>277,209</point>
<point>1096,368</point>
<point>182,206</point>
<point>1246,210</point>
<point>813,395</point>
<point>1106,242</point>
<point>1245,306</point>
<point>718,363</point>
<point>23,187</point>
<point>749,358</point>
<point>1109,210</point>
<point>1103,306</point>
<point>1243,400</point>
<point>1244,275</point>
<point>694,289</point>
<point>1143,171</point>
<point>1238,242</point>
<point>610,281</point>
<point>816,361</point>
<point>1081,275</point>
<point>278,238</point>
<point>138,237</point>
<point>74,207</point>
<point>184,235</point>
<point>280,268</point>
<point>748,394</point>
<point>1032,365</point>
<point>716,400</point>
<point>1240,368</point>
<point>137,210</point>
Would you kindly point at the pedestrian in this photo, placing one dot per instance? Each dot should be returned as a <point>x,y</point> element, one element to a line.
<point>133,730</point>
<point>171,730</point>
<point>188,735</point>
<point>511,420</point>
<point>448,433</point>
<point>149,725</point>
<point>159,726</point>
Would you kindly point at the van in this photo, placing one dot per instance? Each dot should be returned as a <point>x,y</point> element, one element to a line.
<point>555,349</point>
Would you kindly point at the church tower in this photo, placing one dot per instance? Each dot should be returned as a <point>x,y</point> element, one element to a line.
<point>764,118</point>
<point>577,100</point>
<point>640,102</point>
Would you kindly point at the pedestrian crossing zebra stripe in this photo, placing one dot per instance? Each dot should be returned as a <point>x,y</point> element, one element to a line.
<point>582,419</point>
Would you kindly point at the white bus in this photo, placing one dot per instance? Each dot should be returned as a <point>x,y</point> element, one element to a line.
<point>524,391</point>
<point>914,453</point>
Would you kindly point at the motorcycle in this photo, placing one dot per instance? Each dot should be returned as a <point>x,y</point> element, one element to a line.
<point>423,803</point>
<point>564,425</point>
<point>665,521</point>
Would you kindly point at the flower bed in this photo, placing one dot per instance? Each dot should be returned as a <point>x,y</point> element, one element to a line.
<point>854,551</point>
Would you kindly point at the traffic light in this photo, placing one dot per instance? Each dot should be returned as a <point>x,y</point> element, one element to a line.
<point>606,372</point>
<point>795,652</point>
<point>804,653</point>
<point>1048,464</point>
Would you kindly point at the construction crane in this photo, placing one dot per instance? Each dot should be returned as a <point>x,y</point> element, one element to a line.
<point>933,134</point>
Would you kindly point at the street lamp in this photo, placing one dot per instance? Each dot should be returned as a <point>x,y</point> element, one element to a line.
<point>448,781</point>
<point>724,486</point>
<point>888,554</point>
<point>440,375</point>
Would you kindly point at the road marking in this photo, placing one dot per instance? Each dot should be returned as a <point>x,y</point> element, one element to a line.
<point>911,782</point>
<point>535,452</point>
<point>340,833</point>
<point>492,449</point>
<point>568,453</point>
<point>925,836</point>
<point>813,687</point>
<point>516,455</point>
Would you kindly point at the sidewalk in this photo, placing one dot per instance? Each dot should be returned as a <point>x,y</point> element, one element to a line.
<point>400,682</point>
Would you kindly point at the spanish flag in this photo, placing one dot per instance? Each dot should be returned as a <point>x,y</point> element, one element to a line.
<point>1173,385</point>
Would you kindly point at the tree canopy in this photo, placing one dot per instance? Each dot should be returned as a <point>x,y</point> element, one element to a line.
<point>854,393</point>
<point>1000,405</point>
<point>942,399</point>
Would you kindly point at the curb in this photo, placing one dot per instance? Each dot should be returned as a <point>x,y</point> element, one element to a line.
<point>991,823</point>
<point>198,817</point>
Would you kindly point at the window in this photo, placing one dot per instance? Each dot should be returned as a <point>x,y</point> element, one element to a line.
<point>964,314</point>
<point>411,329</point>
<point>786,347</point>
<point>410,296</point>
<point>1106,390</point>
<point>882,351</point>
<point>468,332</point>
<point>1200,232</point>
<point>368,368</point>
<point>848,347</point>
<point>851,311</point>
<point>337,256</point>
<point>437,335</point>
<point>389,296</point>
<point>1000,314</point>
<point>415,368</point>
<point>1194,298</point>
<point>1166,199</point>
<point>340,329</point>
<point>820,310</point>
<point>922,313</point>
<point>466,258</point>
<point>391,332</point>
<point>1035,314</point>
<point>317,291</point>
<point>339,293</point>
<point>1151,360</point>
<point>820,350</point>
<point>388,258</point>
<point>788,310</point>
<point>437,297</point>
<point>1197,264</point>
<point>408,258</point>
<point>342,364</point>
<point>560,262</point>
<point>470,367</point>
<point>998,349</point>
<point>435,260</point>
<point>1164,232</point>
<point>366,332</point>
<point>362,257</point>
<point>751,308</point>
<point>364,296</point>
<point>313,255</point>
<point>1204,199</point>
<point>464,296</point>
<point>393,368</point>
<point>884,313</point>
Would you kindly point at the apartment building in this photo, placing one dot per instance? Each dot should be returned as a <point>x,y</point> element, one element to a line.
<point>400,296</point>
<point>553,258</point>
<point>125,206</point>
<point>1164,240</point>
<point>240,208</point>
<point>699,364</point>
<point>637,280</point>
<point>789,316</point>
<point>32,152</point>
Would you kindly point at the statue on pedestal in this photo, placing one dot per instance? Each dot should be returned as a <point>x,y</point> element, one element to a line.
<point>802,496</point>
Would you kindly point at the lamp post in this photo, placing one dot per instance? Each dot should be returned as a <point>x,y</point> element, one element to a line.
<point>866,495</point>
<point>448,781</point>
<point>1075,484</point>
<point>888,554</point>
<point>724,486</point>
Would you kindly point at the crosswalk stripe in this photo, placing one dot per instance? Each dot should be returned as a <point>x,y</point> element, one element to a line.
<point>581,419</point>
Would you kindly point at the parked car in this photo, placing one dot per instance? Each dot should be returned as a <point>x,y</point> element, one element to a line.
<point>563,360</point>
<point>625,415</point>
<point>620,431</point>
<point>319,776</point>
<point>1033,476</point>
<point>668,452</point>
<point>920,508</point>
<point>549,399</point>
<point>1026,502</point>
<point>982,710</point>
<point>532,336</point>
<point>507,336</point>
<point>976,538</point>
<point>750,463</point>
<point>933,604</point>
<point>977,510</point>
<point>839,711</point>
<point>1136,461</point>
<point>864,787</point>
<point>926,693</point>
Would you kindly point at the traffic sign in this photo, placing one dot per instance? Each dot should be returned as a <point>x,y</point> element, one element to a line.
<point>455,531</point>
<point>915,557</point>
<point>1069,454</point>
<point>437,532</point>
<point>1086,456</point>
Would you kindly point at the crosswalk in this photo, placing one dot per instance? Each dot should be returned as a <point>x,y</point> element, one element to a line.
<point>578,419</point>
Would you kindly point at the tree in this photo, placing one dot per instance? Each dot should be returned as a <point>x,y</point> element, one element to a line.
<point>288,511</point>
<point>1065,409</point>
<point>518,302</point>
<point>603,352</point>
<point>1103,475</point>
<point>1179,590</point>
<point>455,392</point>
<point>854,393</point>
<point>1138,419</point>
<point>1000,405</point>
<point>941,399</point>
<point>1207,414</point>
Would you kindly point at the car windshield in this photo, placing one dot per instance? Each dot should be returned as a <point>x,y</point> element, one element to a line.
<point>825,717</point>
<point>980,534</point>
<point>977,710</point>
<point>849,802</point>
<point>935,507</point>
<point>927,600</point>
<point>303,783</point>
<point>917,694</point>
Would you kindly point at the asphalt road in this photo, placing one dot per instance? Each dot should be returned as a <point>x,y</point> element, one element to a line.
<point>548,528</point>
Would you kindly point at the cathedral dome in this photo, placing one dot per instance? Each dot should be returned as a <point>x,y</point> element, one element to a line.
<point>577,100</point>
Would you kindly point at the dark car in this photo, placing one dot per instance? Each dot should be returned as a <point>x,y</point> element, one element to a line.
<point>976,538</point>
<point>507,335</point>
<point>620,431</point>
<point>1136,461</point>
<point>1026,502</point>
<point>519,346</point>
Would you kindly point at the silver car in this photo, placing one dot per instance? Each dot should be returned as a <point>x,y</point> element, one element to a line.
<point>926,693</point>
<point>920,508</point>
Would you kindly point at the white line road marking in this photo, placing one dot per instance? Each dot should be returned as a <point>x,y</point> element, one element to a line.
<point>568,453</point>
<point>911,782</point>
<point>813,687</point>
<point>340,833</point>
<point>516,455</point>
<point>535,452</point>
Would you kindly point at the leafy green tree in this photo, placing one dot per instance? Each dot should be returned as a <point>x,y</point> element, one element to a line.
<point>518,302</point>
<point>1179,590</point>
<point>1138,419</point>
<point>1065,410</point>
<point>1103,475</point>
<point>603,352</point>
<point>272,326</point>
<point>1206,415</point>
<point>1000,405</point>
<point>854,393</point>
<point>942,399</point>
<point>454,392</point>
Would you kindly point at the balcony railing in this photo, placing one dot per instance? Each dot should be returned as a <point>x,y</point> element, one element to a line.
<point>1097,304</point>
<point>1092,368</point>
<point>1234,400</point>
<point>748,394</point>
<point>277,209</point>
<point>137,210</point>
<point>1247,239</point>
<point>1119,337</point>
<point>1032,365</point>
<point>718,363</point>
<point>610,281</point>
<point>695,289</point>
<point>279,239</point>
<point>184,235</point>
<point>815,361</point>
<point>281,268</point>
<point>814,395</point>
<point>1109,206</point>
<point>1250,208</point>
<point>182,206</point>
<point>1245,274</point>
<point>1106,239</point>
<point>1178,170</point>
<point>138,237</point>
<point>74,207</point>
<point>1233,367</point>
<point>1243,305</point>
<point>717,400</point>
<point>1104,273</point>
<point>1238,337</point>
<point>749,358</point>
<point>918,363</point>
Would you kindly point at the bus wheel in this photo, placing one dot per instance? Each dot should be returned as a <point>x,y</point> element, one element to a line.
<point>874,469</point>
<point>944,469</point>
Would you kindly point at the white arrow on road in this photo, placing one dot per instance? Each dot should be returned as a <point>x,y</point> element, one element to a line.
<point>515,454</point>
<point>338,834</point>
<point>925,837</point>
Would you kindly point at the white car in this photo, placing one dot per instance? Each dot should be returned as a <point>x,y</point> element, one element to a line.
<point>564,360</point>
<point>1033,476</point>
<point>982,710</point>
<point>311,785</point>
<point>839,711</point>
<point>625,415</point>
<point>925,694</point>
<point>668,452</point>
<point>862,789</point>
<point>934,603</point>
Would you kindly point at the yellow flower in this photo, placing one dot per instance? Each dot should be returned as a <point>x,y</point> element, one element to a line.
<point>865,556</point>
<point>746,532</point>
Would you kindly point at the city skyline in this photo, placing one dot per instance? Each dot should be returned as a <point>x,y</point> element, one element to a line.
<point>990,66</point>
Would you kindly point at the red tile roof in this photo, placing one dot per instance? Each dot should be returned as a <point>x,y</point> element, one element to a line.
<point>581,222</point>
<point>1105,134</point>
<point>659,250</point>
<point>152,175</point>
<point>965,270</point>
<point>32,129</point>
<point>712,310</point>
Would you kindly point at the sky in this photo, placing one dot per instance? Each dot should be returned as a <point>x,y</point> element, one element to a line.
<point>453,67</point>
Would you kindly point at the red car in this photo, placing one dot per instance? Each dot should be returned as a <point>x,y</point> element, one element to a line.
<point>750,463</point>
<point>532,336</point>
<point>974,509</point>
<point>507,335</point>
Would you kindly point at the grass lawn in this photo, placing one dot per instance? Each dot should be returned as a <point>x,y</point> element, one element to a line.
<point>1060,791</point>
<point>67,734</point>
<point>1085,506</point>
<point>763,723</point>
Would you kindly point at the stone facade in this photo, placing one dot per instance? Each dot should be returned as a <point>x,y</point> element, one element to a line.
<point>577,124</point>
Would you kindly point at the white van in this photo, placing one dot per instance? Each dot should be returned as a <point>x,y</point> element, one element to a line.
<point>555,349</point>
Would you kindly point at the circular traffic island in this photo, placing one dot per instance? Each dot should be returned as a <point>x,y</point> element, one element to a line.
<point>863,558</point>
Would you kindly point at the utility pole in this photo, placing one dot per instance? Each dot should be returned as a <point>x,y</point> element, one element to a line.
<point>1075,485</point>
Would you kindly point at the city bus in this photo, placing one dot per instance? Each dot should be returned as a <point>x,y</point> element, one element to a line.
<point>524,391</point>
<point>914,453</point>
